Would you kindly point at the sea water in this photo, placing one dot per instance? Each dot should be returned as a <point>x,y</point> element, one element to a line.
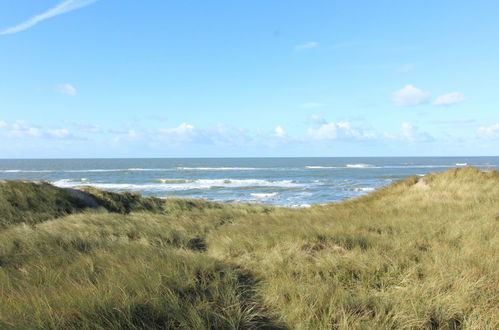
<point>292,182</point>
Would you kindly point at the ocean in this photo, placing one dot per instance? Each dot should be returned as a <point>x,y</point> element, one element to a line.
<point>291,182</point>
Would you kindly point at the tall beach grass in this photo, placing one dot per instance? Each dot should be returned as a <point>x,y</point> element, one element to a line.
<point>422,253</point>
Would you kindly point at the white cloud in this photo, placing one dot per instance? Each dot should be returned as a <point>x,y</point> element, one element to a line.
<point>450,99</point>
<point>59,133</point>
<point>67,89</point>
<point>334,131</point>
<point>180,130</point>
<point>489,132</point>
<point>63,7</point>
<point>307,45</point>
<point>311,105</point>
<point>89,128</point>
<point>409,96</point>
<point>279,132</point>
<point>23,129</point>
<point>182,133</point>
<point>318,120</point>
<point>413,134</point>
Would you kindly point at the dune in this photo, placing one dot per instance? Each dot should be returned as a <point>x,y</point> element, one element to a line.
<point>419,253</point>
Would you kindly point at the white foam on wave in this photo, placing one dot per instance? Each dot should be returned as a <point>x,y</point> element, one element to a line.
<point>68,183</point>
<point>320,167</point>
<point>97,170</point>
<point>364,189</point>
<point>188,185</point>
<point>249,182</point>
<point>86,170</point>
<point>220,168</point>
<point>359,165</point>
<point>94,170</point>
<point>264,195</point>
<point>173,181</point>
<point>148,169</point>
<point>26,171</point>
<point>402,166</point>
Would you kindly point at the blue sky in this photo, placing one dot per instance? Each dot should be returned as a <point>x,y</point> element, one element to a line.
<point>109,78</point>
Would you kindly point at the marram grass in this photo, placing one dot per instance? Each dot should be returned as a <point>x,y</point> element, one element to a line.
<point>419,254</point>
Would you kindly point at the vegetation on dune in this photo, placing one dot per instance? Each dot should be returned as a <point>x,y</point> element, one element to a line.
<point>127,202</point>
<point>421,253</point>
<point>34,202</point>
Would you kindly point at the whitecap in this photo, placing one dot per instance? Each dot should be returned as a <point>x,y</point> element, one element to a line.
<point>173,181</point>
<point>264,195</point>
<point>148,169</point>
<point>94,170</point>
<point>188,185</point>
<point>26,171</point>
<point>320,167</point>
<point>359,165</point>
<point>364,189</point>
<point>219,168</point>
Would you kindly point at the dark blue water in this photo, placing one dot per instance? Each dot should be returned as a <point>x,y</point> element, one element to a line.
<point>280,181</point>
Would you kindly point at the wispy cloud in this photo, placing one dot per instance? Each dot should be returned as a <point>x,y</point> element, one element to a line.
<point>456,121</point>
<point>66,88</point>
<point>413,134</point>
<point>307,45</point>
<point>318,120</point>
<point>63,7</point>
<point>489,132</point>
<point>450,99</point>
<point>88,127</point>
<point>24,129</point>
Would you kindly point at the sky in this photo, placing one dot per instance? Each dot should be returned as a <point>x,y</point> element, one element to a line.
<point>261,78</point>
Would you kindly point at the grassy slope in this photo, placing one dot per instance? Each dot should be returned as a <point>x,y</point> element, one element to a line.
<point>416,254</point>
<point>31,202</point>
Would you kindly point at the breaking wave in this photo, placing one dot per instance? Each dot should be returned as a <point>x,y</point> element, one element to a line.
<point>264,195</point>
<point>220,168</point>
<point>359,165</point>
<point>172,185</point>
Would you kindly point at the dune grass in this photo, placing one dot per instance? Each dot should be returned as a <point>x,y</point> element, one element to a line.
<point>421,253</point>
<point>33,202</point>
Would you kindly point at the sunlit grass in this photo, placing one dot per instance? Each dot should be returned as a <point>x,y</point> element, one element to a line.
<point>421,253</point>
